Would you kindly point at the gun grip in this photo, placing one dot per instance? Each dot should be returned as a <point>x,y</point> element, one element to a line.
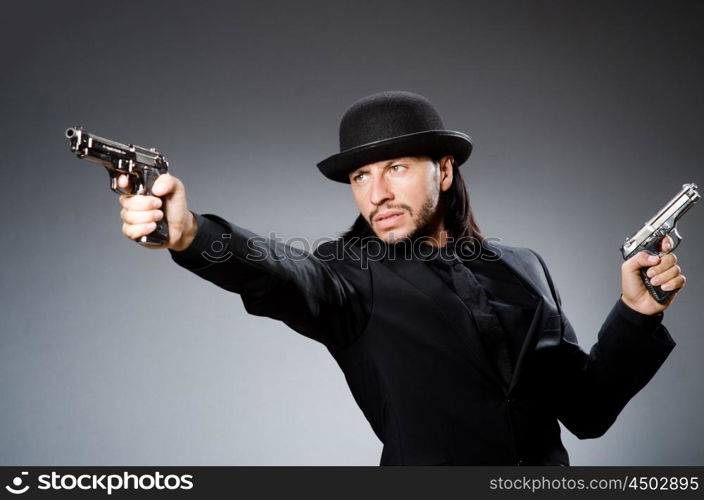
<point>157,237</point>
<point>160,235</point>
<point>658,293</point>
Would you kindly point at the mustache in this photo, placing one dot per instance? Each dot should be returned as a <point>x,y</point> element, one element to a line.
<point>399,206</point>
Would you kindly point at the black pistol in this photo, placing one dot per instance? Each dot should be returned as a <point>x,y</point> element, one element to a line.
<point>141,165</point>
<point>664,223</point>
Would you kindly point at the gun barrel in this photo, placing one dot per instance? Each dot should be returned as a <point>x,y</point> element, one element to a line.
<point>677,205</point>
<point>112,154</point>
<point>664,221</point>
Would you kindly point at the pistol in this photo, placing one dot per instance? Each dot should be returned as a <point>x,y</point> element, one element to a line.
<point>141,165</point>
<point>664,223</point>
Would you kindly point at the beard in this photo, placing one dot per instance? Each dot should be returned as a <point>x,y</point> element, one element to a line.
<point>430,217</point>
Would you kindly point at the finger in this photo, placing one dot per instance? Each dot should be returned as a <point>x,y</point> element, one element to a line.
<point>666,243</point>
<point>140,202</point>
<point>141,216</point>
<point>666,262</point>
<point>122,181</point>
<point>134,231</point>
<point>675,283</point>
<point>666,276</point>
<point>641,259</point>
<point>163,185</point>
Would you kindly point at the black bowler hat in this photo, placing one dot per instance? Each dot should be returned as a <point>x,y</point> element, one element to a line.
<point>389,125</point>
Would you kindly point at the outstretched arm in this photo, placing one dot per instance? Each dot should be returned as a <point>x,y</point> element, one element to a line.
<point>273,279</point>
<point>278,281</point>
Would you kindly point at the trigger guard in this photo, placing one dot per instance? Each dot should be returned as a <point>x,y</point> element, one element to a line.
<point>676,239</point>
<point>117,189</point>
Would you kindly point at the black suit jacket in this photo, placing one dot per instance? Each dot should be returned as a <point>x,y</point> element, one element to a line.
<point>414,363</point>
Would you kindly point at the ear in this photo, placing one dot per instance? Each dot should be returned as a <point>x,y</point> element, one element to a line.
<point>446,163</point>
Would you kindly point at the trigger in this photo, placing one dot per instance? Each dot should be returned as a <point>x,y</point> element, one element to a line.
<point>676,239</point>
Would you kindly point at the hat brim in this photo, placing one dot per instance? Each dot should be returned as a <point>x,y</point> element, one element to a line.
<point>427,143</point>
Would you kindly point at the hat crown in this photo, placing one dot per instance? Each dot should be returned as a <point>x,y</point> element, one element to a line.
<point>390,125</point>
<point>386,115</point>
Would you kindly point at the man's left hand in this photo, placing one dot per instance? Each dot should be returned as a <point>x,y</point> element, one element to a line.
<point>663,272</point>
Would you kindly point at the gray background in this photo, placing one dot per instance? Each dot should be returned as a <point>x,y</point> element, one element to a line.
<point>586,116</point>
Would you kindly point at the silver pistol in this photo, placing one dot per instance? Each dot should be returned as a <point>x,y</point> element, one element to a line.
<point>664,223</point>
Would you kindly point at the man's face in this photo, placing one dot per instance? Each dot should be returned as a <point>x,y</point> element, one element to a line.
<point>399,197</point>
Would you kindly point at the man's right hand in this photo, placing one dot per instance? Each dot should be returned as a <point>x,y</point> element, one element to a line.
<point>140,213</point>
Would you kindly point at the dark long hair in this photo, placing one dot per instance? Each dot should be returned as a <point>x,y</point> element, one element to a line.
<point>459,218</point>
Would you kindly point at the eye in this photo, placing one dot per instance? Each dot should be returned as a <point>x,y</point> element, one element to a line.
<point>359,177</point>
<point>398,168</point>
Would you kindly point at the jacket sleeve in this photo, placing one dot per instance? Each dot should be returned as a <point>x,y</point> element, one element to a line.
<point>592,389</point>
<point>276,280</point>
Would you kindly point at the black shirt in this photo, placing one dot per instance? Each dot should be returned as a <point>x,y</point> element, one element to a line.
<point>491,291</point>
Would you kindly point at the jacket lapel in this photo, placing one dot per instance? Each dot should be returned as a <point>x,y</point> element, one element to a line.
<point>546,325</point>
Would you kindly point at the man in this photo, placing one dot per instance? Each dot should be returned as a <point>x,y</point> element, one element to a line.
<point>455,348</point>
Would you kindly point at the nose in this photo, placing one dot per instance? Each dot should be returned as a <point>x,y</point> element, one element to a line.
<point>380,191</point>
